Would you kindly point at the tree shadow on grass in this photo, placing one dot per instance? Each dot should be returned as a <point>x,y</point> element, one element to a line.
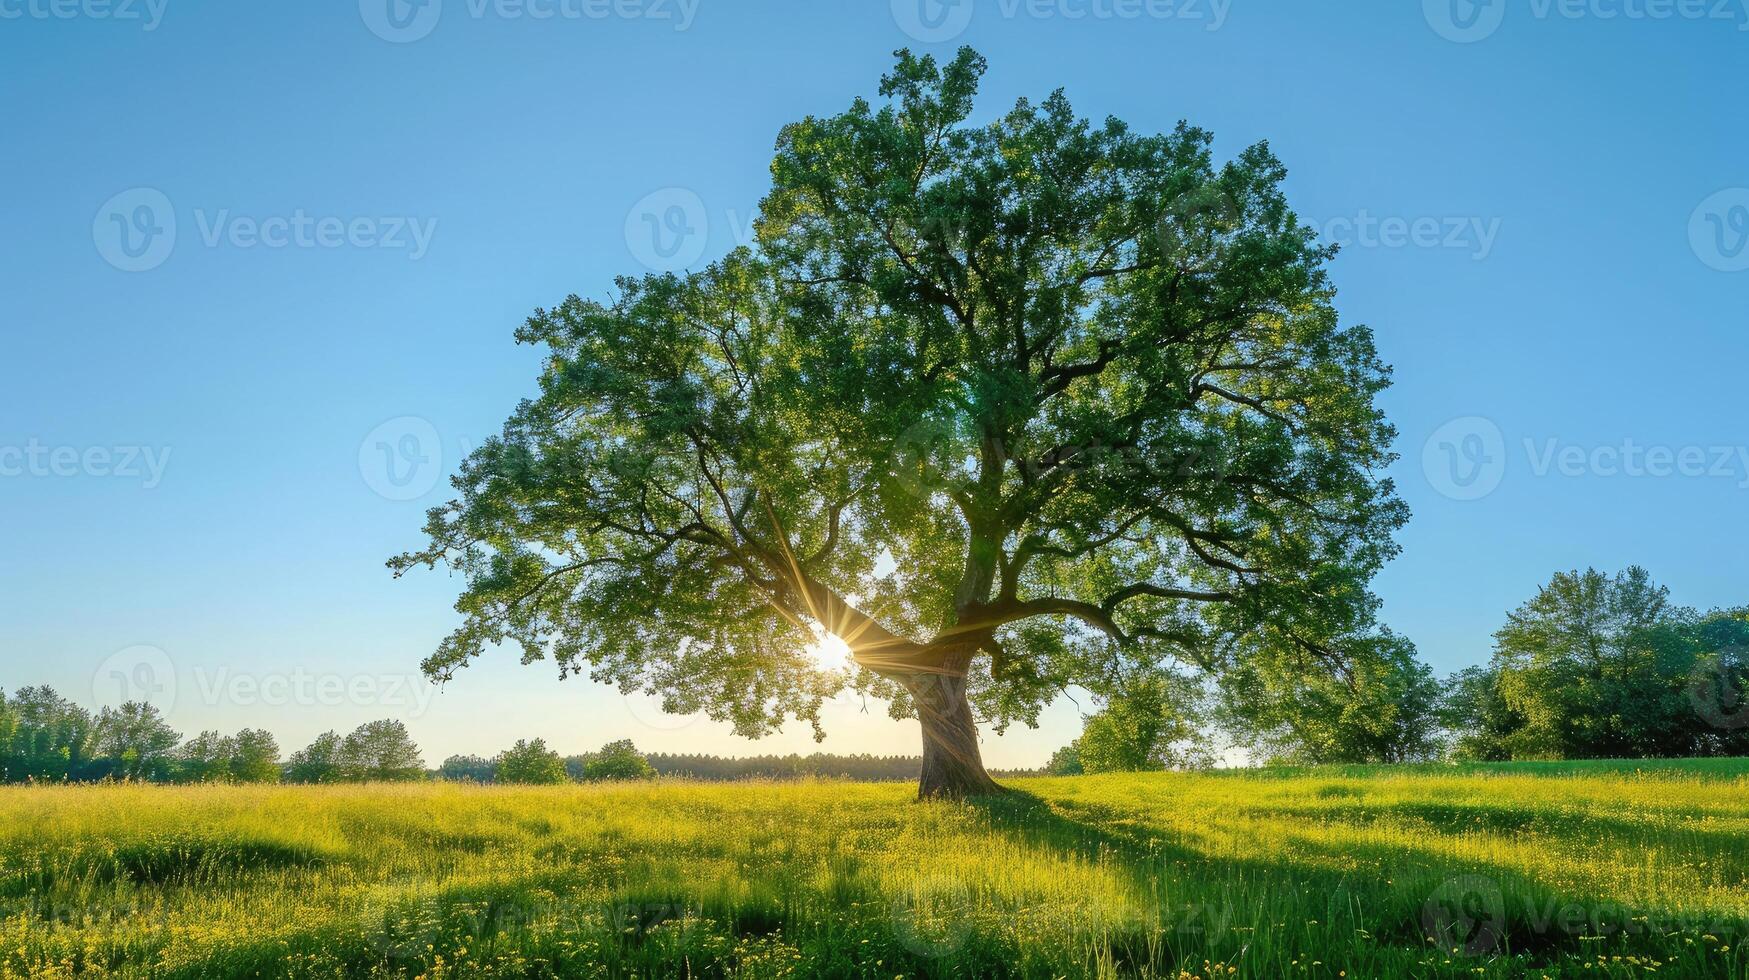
<point>1202,905</point>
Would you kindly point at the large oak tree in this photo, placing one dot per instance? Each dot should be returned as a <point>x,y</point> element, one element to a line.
<point>1007,407</point>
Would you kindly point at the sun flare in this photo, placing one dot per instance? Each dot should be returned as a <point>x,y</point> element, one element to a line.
<point>830,651</point>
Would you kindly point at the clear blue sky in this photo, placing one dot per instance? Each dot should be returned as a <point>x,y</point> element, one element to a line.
<point>1531,193</point>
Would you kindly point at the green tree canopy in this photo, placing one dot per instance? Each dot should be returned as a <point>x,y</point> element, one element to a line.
<point>206,758</point>
<point>380,751</point>
<point>1479,720</point>
<point>1605,666</point>
<point>1005,405</point>
<point>531,762</point>
<point>1383,707</point>
<point>51,737</point>
<point>468,769</point>
<point>1066,761</point>
<point>255,757</point>
<point>616,760</point>
<point>135,742</point>
<point>9,737</point>
<point>1152,724</point>
<point>318,762</point>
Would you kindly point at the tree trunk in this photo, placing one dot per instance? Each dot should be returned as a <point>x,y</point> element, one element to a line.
<point>953,768</point>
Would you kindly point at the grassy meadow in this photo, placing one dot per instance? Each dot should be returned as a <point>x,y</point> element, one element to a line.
<point>1492,871</point>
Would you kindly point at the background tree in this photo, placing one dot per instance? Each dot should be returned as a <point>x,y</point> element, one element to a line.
<point>380,751</point>
<point>1004,406</point>
<point>1066,761</point>
<point>616,760</point>
<point>819,765</point>
<point>9,755</point>
<point>1152,724</point>
<point>134,742</point>
<point>1477,717</point>
<point>1601,666</point>
<point>1564,657</point>
<point>468,769</point>
<point>206,758</point>
<point>318,762</point>
<point>1382,706</point>
<point>51,740</point>
<point>1718,684</point>
<point>576,766</point>
<point>255,757</point>
<point>531,762</point>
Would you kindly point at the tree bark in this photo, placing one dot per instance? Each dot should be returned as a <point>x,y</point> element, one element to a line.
<point>953,767</point>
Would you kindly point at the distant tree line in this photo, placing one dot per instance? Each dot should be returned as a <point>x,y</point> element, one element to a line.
<point>818,765</point>
<point>1594,666</point>
<point>532,763</point>
<point>1383,706</point>
<point>378,751</point>
<point>46,738</point>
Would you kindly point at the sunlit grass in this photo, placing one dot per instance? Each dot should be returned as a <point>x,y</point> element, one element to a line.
<point>1556,871</point>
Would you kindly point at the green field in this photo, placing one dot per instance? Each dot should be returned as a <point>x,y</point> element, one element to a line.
<point>1588,870</point>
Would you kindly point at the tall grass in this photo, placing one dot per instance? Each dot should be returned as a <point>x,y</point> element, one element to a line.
<point>1590,871</point>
